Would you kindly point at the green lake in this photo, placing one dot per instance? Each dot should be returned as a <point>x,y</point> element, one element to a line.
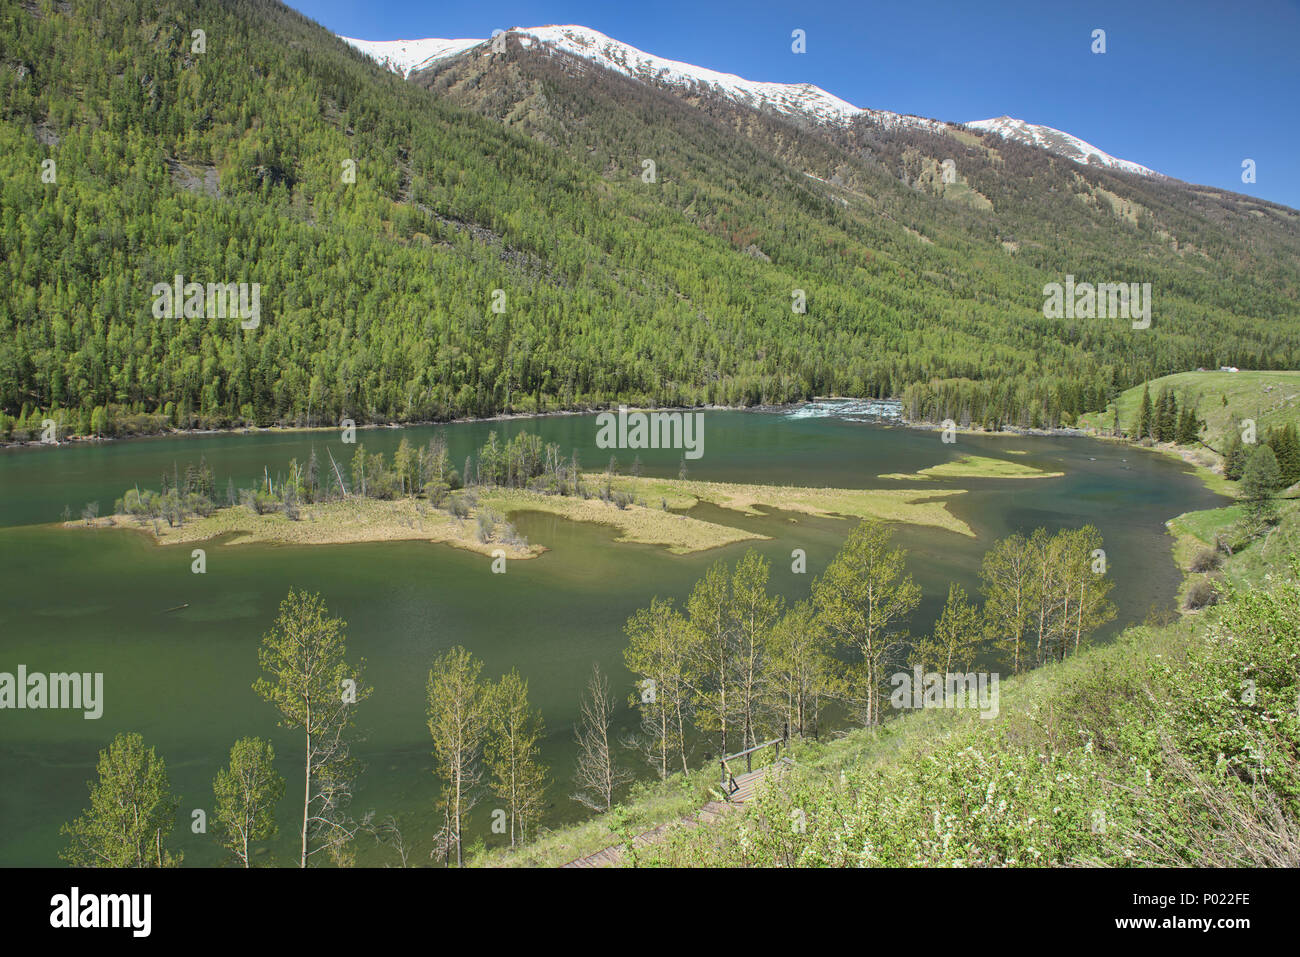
<point>98,600</point>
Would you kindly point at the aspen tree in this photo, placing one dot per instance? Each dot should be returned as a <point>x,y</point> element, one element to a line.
<point>862,598</point>
<point>457,723</point>
<point>316,691</point>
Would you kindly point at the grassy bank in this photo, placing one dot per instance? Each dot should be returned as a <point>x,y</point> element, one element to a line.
<point>1174,746</point>
<point>1220,398</point>
<point>1143,751</point>
<point>330,523</point>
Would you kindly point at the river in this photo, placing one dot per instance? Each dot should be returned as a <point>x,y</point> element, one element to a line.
<point>105,600</point>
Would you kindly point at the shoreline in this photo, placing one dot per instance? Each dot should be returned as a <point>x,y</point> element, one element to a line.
<point>637,521</point>
<point>771,408</point>
<point>1210,478</point>
<point>278,429</point>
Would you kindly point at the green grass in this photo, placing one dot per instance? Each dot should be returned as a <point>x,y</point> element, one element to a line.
<point>1153,702</point>
<point>1270,398</point>
<point>649,805</point>
<point>976,466</point>
<point>903,506</point>
<point>1197,530</point>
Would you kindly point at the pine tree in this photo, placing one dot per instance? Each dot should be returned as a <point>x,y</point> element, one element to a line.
<point>1189,427</point>
<point>1144,414</point>
<point>1166,416</point>
<point>1286,449</point>
<point>1234,461</point>
<point>1259,481</point>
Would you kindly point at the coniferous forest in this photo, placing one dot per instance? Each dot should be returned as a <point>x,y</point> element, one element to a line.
<point>435,250</point>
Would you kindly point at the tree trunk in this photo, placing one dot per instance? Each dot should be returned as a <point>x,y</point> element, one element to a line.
<point>306,794</point>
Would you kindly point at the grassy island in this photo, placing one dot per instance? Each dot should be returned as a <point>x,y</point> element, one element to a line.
<point>976,467</point>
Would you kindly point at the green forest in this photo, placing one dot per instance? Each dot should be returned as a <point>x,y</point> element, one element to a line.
<point>420,259</point>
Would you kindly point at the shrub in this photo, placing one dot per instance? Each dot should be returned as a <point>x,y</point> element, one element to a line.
<point>437,492</point>
<point>1202,593</point>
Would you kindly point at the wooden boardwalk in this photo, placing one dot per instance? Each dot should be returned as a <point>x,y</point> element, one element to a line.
<point>612,856</point>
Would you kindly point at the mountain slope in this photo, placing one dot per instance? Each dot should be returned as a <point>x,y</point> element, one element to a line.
<point>524,172</point>
<point>405,56</point>
<point>1010,209</point>
<point>803,99</point>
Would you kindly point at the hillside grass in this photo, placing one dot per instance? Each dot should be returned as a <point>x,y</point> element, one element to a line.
<point>1150,735</point>
<point>929,770</point>
<point>1272,399</point>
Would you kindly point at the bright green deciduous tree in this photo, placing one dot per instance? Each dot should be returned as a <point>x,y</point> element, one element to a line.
<point>132,810</point>
<point>247,793</point>
<point>316,692</point>
<point>862,599</point>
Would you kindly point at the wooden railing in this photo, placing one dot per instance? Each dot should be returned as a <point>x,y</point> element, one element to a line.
<point>724,763</point>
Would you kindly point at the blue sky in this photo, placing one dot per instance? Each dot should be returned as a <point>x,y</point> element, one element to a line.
<point>1190,87</point>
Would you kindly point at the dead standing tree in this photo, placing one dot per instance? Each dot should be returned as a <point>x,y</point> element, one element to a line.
<point>597,777</point>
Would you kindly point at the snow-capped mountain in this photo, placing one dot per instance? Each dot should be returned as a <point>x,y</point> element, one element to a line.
<point>405,56</point>
<point>800,100</point>
<point>795,99</point>
<point>1055,141</point>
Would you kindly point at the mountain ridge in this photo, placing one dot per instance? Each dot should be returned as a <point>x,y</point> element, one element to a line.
<point>798,100</point>
<point>490,239</point>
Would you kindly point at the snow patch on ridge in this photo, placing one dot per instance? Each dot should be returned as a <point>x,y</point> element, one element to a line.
<point>405,56</point>
<point>1057,142</point>
<point>801,100</point>
<point>792,99</point>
